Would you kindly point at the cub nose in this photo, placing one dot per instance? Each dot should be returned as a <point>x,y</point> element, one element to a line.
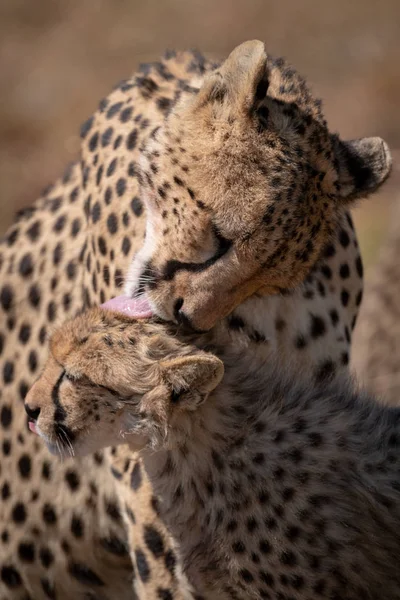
<point>33,413</point>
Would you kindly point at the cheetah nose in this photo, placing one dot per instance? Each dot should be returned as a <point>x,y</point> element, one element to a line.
<point>182,319</point>
<point>33,413</point>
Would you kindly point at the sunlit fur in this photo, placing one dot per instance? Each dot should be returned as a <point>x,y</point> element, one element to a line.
<point>303,477</point>
<point>248,160</point>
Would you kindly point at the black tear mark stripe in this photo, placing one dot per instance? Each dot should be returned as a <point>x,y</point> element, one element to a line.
<point>173,266</point>
<point>60,413</point>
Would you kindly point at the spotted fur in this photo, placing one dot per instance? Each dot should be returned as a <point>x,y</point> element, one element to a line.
<point>61,529</point>
<point>272,488</point>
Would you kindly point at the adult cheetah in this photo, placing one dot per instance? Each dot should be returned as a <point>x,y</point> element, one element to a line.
<point>272,487</point>
<point>61,527</point>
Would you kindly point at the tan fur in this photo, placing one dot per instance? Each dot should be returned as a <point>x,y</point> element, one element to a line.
<point>256,164</point>
<point>252,476</point>
<point>72,249</point>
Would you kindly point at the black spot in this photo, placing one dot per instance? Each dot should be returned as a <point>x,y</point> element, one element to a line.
<point>345,358</point>
<point>6,297</point>
<point>49,515</point>
<point>142,565</point>
<point>77,528</point>
<point>46,557</point>
<point>6,416</point>
<point>170,561</point>
<point>19,513</point>
<point>26,265</point>
<point>317,327</point>
<point>72,478</point>
<point>153,541</point>
<point>33,231</point>
<point>108,195</point>
<point>106,136</point>
<point>325,370</point>
<point>46,470</point>
<point>112,223</point>
<point>113,511</point>
<point>34,295</point>
<point>59,224</point>
<point>96,212</point>
<point>24,466</point>
<point>334,317</point>
<point>84,575</point>
<point>32,361</point>
<point>344,271</point>
<point>10,576</point>
<point>131,140</point>
<point>265,547</point>
<point>5,491</point>
<point>125,115</point>
<point>126,246</point>
<point>26,551</point>
<point>8,372</point>
<point>24,333</point>
<point>300,342</point>
<point>6,447</point>
<point>288,558</point>
<point>111,167</point>
<point>86,127</point>
<point>344,297</point>
<point>102,246</point>
<point>136,477</point>
<point>121,186</point>
<point>246,575</point>
<point>344,238</point>
<point>315,439</point>
<point>113,110</point>
<point>93,142</point>
<point>71,270</point>
<point>238,547</point>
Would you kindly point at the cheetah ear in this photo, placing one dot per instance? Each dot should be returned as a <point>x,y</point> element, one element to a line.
<point>192,378</point>
<point>242,79</point>
<point>363,165</point>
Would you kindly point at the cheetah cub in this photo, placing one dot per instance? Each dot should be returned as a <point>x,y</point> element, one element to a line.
<point>272,488</point>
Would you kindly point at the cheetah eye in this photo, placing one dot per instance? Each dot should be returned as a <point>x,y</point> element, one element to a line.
<point>175,396</point>
<point>70,377</point>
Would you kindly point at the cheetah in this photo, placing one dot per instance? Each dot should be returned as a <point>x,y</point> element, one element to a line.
<point>273,488</point>
<point>63,532</point>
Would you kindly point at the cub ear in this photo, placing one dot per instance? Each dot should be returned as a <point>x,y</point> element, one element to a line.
<point>192,378</point>
<point>363,165</point>
<point>242,79</point>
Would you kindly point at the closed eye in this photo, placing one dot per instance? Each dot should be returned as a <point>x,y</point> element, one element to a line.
<point>173,266</point>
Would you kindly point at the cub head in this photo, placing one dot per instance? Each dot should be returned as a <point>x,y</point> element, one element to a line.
<point>243,186</point>
<point>111,380</point>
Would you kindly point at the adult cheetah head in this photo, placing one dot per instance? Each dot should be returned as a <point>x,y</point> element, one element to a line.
<point>243,186</point>
<point>110,380</point>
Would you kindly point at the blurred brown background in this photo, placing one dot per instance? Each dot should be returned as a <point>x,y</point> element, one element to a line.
<point>59,57</point>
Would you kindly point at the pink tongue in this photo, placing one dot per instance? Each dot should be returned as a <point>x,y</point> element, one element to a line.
<point>137,308</point>
<point>32,426</point>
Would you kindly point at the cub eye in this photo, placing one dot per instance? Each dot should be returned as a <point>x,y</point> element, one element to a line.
<point>263,114</point>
